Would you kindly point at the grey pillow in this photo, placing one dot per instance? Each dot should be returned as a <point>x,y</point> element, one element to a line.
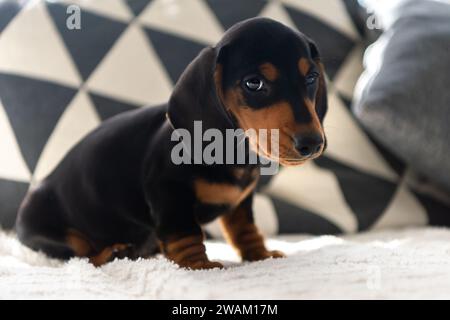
<point>403,97</point>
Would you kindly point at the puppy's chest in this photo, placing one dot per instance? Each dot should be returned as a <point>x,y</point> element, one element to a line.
<point>228,192</point>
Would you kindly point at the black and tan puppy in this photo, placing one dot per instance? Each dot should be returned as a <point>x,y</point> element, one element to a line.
<point>118,193</point>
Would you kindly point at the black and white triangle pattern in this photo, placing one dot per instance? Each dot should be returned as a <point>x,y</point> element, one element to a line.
<point>58,84</point>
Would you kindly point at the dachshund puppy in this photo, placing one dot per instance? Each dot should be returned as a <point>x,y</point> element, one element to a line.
<point>118,193</point>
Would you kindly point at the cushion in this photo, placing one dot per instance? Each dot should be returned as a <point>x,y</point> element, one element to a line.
<point>57,84</point>
<point>403,96</point>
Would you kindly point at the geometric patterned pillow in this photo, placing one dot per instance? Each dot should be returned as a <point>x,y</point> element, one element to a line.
<point>57,84</point>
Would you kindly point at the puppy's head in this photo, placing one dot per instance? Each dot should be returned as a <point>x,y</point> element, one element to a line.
<point>261,75</point>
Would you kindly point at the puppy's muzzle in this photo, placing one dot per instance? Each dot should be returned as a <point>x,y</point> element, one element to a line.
<point>309,145</point>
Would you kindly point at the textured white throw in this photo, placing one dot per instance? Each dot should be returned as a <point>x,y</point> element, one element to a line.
<point>412,263</point>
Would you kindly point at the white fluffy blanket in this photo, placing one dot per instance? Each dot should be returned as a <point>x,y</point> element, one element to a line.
<point>412,263</point>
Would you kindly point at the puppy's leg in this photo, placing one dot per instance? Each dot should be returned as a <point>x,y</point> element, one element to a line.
<point>241,232</point>
<point>180,235</point>
<point>188,251</point>
<point>181,241</point>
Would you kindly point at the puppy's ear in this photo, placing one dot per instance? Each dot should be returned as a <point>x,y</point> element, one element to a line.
<point>321,95</point>
<point>197,94</point>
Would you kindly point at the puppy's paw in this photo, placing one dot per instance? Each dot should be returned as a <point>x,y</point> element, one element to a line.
<point>202,265</point>
<point>276,254</point>
<point>122,251</point>
<point>108,254</point>
<point>188,252</point>
<point>262,254</point>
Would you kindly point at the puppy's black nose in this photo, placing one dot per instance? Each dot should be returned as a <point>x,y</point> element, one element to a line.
<point>308,144</point>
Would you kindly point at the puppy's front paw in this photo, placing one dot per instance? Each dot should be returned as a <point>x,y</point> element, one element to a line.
<point>262,254</point>
<point>189,252</point>
<point>201,264</point>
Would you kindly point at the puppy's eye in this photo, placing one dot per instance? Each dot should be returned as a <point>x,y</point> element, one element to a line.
<point>311,78</point>
<point>254,83</point>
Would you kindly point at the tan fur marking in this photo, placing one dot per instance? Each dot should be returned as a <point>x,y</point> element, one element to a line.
<point>221,193</point>
<point>78,243</point>
<point>82,247</point>
<point>106,254</point>
<point>278,116</point>
<point>269,71</point>
<point>188,252</point>
<point>303,66</point>
<point>244,236</point>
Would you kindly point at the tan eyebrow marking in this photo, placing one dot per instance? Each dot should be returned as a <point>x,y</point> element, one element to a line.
<point>303,66</point>
<point>269,71</point>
